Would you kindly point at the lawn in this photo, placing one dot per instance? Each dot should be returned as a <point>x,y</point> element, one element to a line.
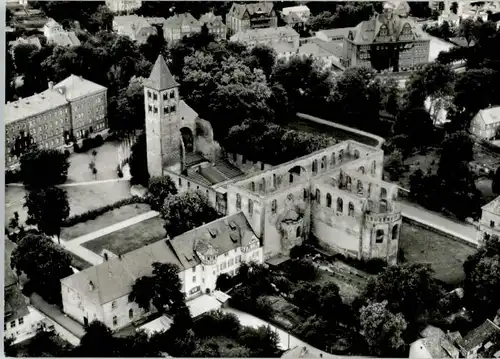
<point>129,238</point>
<point>446,256</point>
<point>106,161</point>
<point>82,198</point>
<point>348,291</point>
<point>107,219</point>
<point>79,263</point>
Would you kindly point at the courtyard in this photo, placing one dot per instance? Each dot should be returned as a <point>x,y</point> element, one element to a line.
<point>105,161</point>
<point>129,238</point>
<point>446,256</point>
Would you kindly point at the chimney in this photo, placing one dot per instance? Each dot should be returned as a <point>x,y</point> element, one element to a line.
<point>81,78</point>
<point>119,256</point>
<point>91,286</point>
<point>51,85</point>
<point>61,90</point>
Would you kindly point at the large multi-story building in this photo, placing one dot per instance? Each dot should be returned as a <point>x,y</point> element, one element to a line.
<point>386,42</point>
<point>250,16</point>
<point>269,36</point>
<point>180,25</point>
<point>486,123</point>
<point>75,108</point>
<point>123,6</point>
<point>202,254</point>
<point>55,33</point>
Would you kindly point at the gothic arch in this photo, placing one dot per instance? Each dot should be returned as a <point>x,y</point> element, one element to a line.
<point>187,139</point>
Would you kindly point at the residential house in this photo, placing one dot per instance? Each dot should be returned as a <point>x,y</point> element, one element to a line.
<point>433,344</point>
<point>268,36</point>
<point>214,24</point>
<point>74,108</point>
<point>202,254</point>
<point>32,40</point>
<point>180,25</point>
<point>137,28</point>
<point>123,6</point>
<point>250,16</point>
<point>55,33</point>
<point>296,14</point>
<point>284,51</point>
<point>480,342</point>
<point>485,123</point>
<point>21,321</point>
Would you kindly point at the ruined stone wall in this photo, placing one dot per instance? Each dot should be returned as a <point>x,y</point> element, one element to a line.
<point>204,140</point>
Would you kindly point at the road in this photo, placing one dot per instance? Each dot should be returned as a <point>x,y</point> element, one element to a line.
<point>461,230</point>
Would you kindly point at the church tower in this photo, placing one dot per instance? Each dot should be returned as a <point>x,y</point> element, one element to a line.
<point>163,136</point>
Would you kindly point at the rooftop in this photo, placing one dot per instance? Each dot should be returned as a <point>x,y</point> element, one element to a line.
<point>435,342</point>
<point>114,278</point>
<point>76,87</point>
<point>313,47</point>
<point>65,39</point>
<point>180,20</point>
<point>131,22</point>
<point>211,19</point>
<point>490,115</point>
<point>160,78</point>
<point>33,105</point>
<point>493,206</point>
<point>261,8</point>
<point>479,336</point>
<point>32,40</point>
<point>298,8</point>
<point>334,33</point>
<point>263,33</point>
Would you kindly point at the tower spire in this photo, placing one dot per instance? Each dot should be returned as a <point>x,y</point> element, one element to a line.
<point>161,78</point>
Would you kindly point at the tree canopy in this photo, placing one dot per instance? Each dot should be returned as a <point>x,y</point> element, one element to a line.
<point>139,162</point>
<point>159,189</point>
<point>44,167</point>
<point>187,211</point>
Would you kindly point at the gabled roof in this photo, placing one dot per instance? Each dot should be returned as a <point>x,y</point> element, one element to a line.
<point>114,278</point>
<point>340,32</point>
<point>76,87</point>
<point>490,116</point>
<point>160,78</point>
<point>211,20</point>
<point>238,10</point>
<point>180,20</point>
<point>264,34</point>
<point>65,39</point>
<point>131,23</point>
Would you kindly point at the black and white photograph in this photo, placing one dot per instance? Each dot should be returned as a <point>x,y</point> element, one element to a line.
<point>233,179</point>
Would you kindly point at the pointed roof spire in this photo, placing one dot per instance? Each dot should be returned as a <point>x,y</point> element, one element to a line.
<point>160,78</point>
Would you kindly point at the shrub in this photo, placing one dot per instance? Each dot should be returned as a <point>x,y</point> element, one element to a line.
<point>13,177</point>
<point>119,171</point>
<point>94,213</point>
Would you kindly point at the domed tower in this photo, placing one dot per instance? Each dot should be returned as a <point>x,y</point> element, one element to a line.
<point>163,137</point>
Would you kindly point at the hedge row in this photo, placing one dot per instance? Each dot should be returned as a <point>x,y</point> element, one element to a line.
<point>94,213</point>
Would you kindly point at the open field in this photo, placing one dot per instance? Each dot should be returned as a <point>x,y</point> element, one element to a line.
<point>82,198</point>
<point>446,256</point>
<point>105,220</point>
<point>129,238</point>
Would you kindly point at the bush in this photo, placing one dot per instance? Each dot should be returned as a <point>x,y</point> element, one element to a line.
<point>94,213</point>
<point>13,177</point>
<point>119,171</point>
<point>88,144</point>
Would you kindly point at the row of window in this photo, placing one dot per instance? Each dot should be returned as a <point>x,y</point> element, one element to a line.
<point>379,234</point>
<point>166,109</point>
<point>14,323</point>
<point>340,203</point>
<point>166,95</point>
<point>130,316</point>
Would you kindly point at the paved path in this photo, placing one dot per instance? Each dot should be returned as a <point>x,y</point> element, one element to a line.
<point>75,245</point>
<point>464,231</point>
<point>53,312</point>
<point>287,341</point>
<point>73,184</point>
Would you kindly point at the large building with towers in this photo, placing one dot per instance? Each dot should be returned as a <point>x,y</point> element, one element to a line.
<point>336,195</point>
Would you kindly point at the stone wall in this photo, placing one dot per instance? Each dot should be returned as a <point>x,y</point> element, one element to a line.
<point>246,165</point>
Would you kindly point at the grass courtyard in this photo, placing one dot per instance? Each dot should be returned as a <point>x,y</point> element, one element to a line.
<point>105,220</point>
<point>446,256</point>
<point>129,238</point>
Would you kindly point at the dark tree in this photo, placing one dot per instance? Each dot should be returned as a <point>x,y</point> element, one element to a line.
<point>263,57</point>
<point>98,341</point>
<point>139,162</point>
<point>44,167</point>
<point>495,184</point>
<point>159,189</point>
<point>47,209</point>
<point>187,211</point>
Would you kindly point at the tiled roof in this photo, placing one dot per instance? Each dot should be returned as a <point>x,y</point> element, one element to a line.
<point>264,33</point>
<point>282,48</point>
<point>179,20</point>
<point>493,206</point>
<point>330,33</point>
<point>76,87</point>
<point>490,115</point>
<point>32,40</point>
<point>33,105</point>
<point>292,9</point>
<point>228,169</point>
<point>211,20</point>
<point>131,23</point>
<point>51,23</point>
<point>212,174</point>
<point>193,158</point>
<point>198,178</point>
<point>479,336</point>
<point>160,78</point>
<point>114,278</point>
<point>238,10</point>
<point>65,39</point>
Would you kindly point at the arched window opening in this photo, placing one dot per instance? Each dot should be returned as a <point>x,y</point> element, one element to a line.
<point>115,321</point>
<point>299,232</point>
<point>333,159</point>
<point>359,187</point>
<point>318,196</point>
<point>379,236</point>
<point>351,209</point>
<point>263,185</point>
<point>238,202</point>
<point>340,205</point>
<point>383,206</point>
<point>323,163</point>
<point>290,177</point>
<point>361,169</point>
<point>250,207</point>
<point>374,168</point>
<point>395,231</point>
<point>315,166</point>
<point>329,200</point>
<point>341,155</point>
<point>275,182</point>
<point>305,194</point>
<point>131,313</point>
<point>252,186</point>
<point>274,206</point>
<point>383,193</point>
<point>356,154</point>
<point>348,183</point>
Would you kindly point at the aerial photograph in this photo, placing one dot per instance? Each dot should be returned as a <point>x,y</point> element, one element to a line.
<point>287,179</point>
